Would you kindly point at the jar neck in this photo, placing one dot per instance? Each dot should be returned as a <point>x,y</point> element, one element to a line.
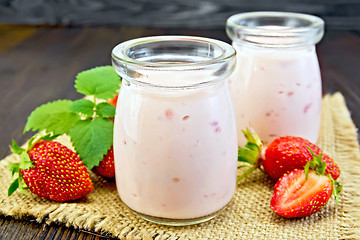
<point>173,92</point>
<point>239,44</point>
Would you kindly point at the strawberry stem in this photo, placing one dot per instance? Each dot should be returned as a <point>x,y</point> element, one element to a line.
<point>337,188</point>
<point>319,167</point>
<point>251,153</point>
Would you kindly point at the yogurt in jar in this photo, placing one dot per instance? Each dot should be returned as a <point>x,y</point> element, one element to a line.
<point>175,156</point>
<point>175,141</point>
<point>278,92</point>
<point>276,86</point>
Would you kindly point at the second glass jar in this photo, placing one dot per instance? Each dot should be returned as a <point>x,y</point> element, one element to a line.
<point>175,142</point>
<point>276,87</point>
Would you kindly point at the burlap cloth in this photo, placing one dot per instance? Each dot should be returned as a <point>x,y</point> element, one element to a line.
<point>248,216</point>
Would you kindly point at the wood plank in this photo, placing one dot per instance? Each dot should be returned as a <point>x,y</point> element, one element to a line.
<point>11,36</point>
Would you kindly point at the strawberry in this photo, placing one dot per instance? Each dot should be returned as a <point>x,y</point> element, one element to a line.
<point>281,156</point>
<point>50,170</point>
<point>294,196</point>
<point>287,153</point>
<point>113,101</point>
<point>303,192</point>
<point>106,166</point>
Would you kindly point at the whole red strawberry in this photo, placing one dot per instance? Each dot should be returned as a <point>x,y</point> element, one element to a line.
<point>285,154</point>
<point>303,192</point>
<point>50,170</point>
<point>106,166</point>
<point>282,155</point>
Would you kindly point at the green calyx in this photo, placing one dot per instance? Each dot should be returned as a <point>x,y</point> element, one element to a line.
<point>319,166</point>
<point>25,161</point>
<point>88,121</point>
<point>250,154</point>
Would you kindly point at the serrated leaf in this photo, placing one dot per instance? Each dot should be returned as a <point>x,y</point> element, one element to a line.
<point>15,148</point>
<point>14,185</point>
<point>83,106</point>
<point>92,139</point>
<point>105,110</point>
<point>102,82</point>
<point>52,117</point>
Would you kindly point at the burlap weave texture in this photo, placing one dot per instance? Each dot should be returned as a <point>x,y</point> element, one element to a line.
<point>249,215</point>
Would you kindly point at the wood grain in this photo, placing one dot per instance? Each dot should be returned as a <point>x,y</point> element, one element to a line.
<point>39,64</point>
<point>210,14</point>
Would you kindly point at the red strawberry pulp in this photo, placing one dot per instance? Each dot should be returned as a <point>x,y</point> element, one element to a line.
<point>294,196</point>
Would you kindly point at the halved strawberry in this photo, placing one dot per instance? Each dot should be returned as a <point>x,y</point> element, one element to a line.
<point>303,192</point>
<point>294,196</point>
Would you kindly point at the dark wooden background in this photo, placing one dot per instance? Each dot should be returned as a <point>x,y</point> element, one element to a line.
<point>204,14</point>
<point>44,44</point>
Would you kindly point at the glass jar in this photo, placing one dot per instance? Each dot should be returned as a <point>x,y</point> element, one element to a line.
<point>276,86</point>
<point>175,142</point>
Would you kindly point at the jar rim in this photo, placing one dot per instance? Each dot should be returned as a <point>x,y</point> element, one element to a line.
<point>119,51</point>
<point>293,25</point>
<point>173,62</point>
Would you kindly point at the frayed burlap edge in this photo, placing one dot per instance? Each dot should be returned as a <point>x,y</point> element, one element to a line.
<point>346,139</point>
<point>343,134</point>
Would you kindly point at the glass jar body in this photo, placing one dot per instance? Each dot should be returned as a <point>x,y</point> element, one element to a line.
<point>276,86</point>
<point>175,142</point>
<point>277,91</point>
<point>175,155</point>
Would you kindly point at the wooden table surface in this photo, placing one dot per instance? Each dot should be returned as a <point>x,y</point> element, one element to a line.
<point>39,64</point>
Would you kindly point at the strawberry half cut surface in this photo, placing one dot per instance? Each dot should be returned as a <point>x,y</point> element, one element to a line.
<point>304,192</point>
<point>50,170</point>
<point>294,196</point>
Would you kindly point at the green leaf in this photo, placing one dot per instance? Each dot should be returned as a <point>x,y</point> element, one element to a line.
<point>253,140</point>
<point>15,148</point>
<point>105,110</point>
<point>336,187</point>
<point>92,139</point>
<point>102,82</point>
<point>53,117</point>
<point>14,185</point>
<point>306,169</point>
<point>14,168</point>
<point>48,137</point>
<point>246,155</point>
<point>25,162</point>
<point>246,173</point>
<point>22,185</point>
<point>83,106</point>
